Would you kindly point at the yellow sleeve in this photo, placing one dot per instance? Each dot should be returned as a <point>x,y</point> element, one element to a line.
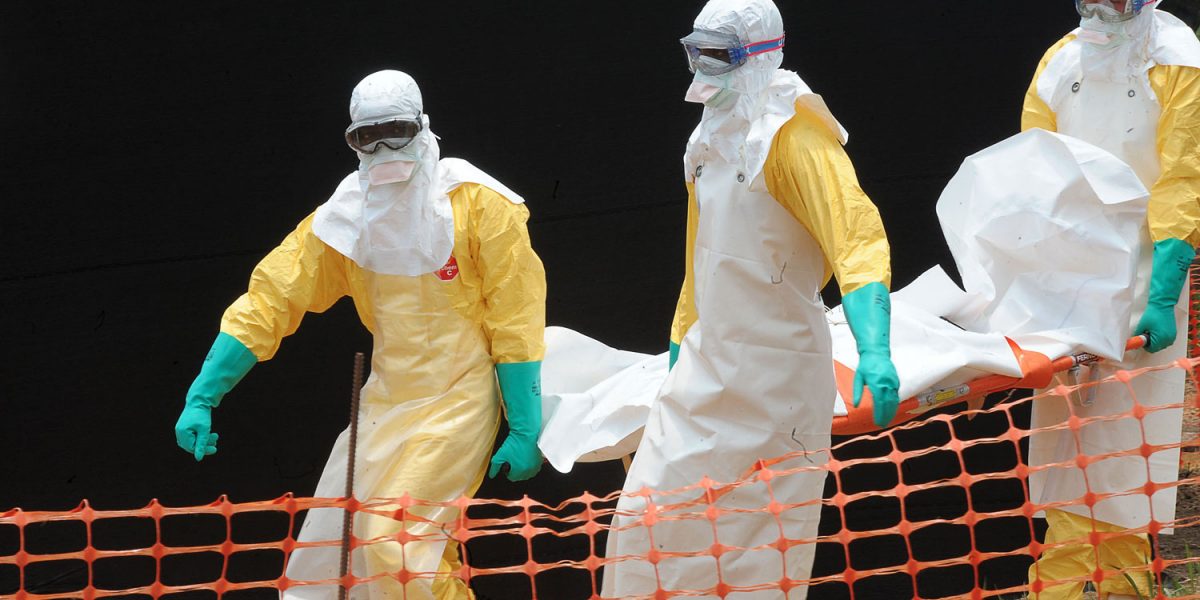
<point>1174,209</point>
<point>685,309</point>
<point>1035,113</point>
<point>514,281</point>
<point>809,173</point>
<point>301,275</point>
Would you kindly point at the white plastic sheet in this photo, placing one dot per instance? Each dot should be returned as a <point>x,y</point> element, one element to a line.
<point>595,399</point>
<point>1047,229</point>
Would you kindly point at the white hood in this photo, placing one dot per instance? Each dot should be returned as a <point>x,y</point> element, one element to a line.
<point>742,134</point>
<point>1152,38</point>
<point>404,228</point>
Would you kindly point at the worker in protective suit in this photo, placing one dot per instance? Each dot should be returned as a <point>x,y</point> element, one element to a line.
<point>774,209</point>
<point>1127,80</point>
<point>437,258</point>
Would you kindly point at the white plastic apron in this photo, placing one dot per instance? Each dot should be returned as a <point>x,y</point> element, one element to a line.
<point>754,380</point>
<point>1122,118</point>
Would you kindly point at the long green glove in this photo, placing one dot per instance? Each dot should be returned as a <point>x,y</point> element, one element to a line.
<point>1172,257</point>
<point>673,356</point>
<point>521,388</point>
<point>227,362</point>
<point>869,311</point>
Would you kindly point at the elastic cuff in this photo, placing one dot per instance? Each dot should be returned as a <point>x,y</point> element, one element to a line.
<point>226,364</point>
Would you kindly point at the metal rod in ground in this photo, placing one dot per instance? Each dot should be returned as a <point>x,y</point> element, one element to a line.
<point>351,450</point>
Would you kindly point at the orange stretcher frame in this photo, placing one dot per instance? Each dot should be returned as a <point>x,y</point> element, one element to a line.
<point>1037,371</point>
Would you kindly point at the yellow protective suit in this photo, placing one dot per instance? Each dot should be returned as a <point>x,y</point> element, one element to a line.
<point>430,409</point>
<point>1173,212</point>
<point>1078,558</point>
<point>811,176</point>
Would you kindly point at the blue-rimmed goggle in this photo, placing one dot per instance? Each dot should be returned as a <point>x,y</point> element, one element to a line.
<point>715,53</point>
<point>1111,11</point>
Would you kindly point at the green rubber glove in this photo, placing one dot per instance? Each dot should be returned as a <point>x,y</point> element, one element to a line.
<point>1172,257</point>
<point>227,362</point>
<point>673,356</point>
<point>521,389</point>
<point>869,311</point>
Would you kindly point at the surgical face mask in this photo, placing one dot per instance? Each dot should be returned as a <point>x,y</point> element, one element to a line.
<point>713,92</point>
<point>710,95</point>
<point>396,171</point>
<point>1102,33</point>
<point>391,166</point>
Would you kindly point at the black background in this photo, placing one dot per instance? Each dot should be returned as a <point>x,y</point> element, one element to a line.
<point>153,152</point>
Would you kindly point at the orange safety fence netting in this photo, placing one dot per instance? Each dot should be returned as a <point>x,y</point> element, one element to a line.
<point>929,515</point>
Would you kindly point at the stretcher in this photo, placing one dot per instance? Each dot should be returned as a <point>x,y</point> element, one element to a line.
<point>596,399</point>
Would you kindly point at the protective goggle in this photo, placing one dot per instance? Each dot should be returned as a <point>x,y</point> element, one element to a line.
<point>716,53</point>
<point>1111,11</point>
<point>393,132</point>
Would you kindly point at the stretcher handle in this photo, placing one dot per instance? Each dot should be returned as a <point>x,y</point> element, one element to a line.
<point>1037,371</point>
<point>1136,342</point>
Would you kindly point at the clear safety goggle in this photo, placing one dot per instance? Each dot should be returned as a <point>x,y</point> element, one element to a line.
<point>716,53</point>
<point>393,132</point>
<point>1111,11</point>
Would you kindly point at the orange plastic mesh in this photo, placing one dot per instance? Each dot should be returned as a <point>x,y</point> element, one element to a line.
<point>156,542</point>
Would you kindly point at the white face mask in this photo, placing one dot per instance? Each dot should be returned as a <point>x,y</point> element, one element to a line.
<point>391,166</point>
<point>710,95</point>
<point>1093,30</point>
<point>712,91</point>
<point>395,171</point>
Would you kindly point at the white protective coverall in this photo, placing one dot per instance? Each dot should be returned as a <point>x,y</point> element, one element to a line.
<point>430,408</point>
<point>1141,102</point>
<point>775,209</point>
